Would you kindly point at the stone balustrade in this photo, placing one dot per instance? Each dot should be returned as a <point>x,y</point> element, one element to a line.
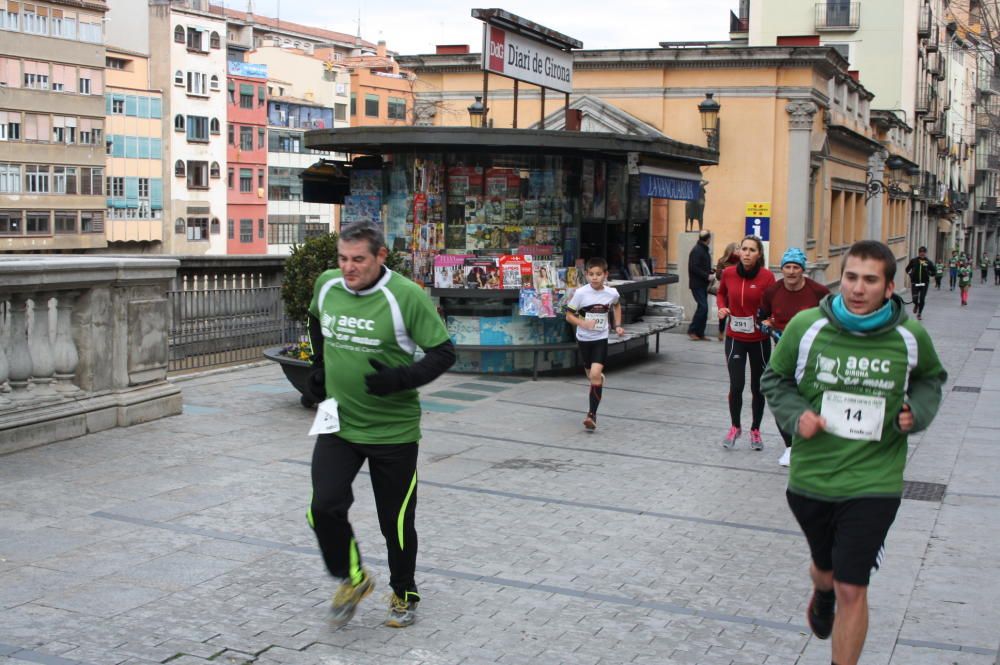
<point>83,346</point>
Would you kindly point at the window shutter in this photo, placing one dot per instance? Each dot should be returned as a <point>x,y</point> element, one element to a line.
<point>131,105</point>
<point>155,149</point>
<point>246,89</point>
<point>107,104</point>
<point>143,107</point>
<point>260,92</point>
<point>155,107</point>
<point>156,194</point>
<point>131,192</point>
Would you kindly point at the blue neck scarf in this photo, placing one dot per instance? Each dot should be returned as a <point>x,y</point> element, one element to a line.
<point>861,323</point>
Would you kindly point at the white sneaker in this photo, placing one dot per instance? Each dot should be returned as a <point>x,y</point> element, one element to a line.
<point>786,457</point>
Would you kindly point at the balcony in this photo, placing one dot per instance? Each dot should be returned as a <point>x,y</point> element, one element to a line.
<point>931,44</point>
<point>738,24</point>
<point>926,101</point>
<point>986,203</point>
<point>937,126</point>
<point>838,16</point>
<point>935,65</point>
<point>925,22</point>
<point>987,162</point>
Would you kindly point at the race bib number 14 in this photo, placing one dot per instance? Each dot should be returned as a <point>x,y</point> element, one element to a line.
<point>858,417</point>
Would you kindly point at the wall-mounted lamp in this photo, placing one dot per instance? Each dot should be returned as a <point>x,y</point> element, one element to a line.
<point>874,187</point>
<point>709,110</point>
<point>477,113</point>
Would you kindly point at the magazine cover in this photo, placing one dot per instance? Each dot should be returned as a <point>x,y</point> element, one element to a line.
<point>477,272</point>
<point>493,277</point>
<point>474,212</point>
<point>449,271</point>
<point>544,273</point>
<point>528,304</point>
<point>546,303</point>
<point>494,211</point>
<point>572,279</point>
<point>516,271</point>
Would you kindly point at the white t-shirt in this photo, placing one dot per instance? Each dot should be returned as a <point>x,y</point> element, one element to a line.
<point>593,305</point>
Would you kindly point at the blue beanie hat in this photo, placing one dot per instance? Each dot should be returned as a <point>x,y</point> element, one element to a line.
<point>794,255</point>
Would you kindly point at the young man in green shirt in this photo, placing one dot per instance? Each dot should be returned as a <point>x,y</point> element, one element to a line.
<point>852,378</point>
<point>365,323</point>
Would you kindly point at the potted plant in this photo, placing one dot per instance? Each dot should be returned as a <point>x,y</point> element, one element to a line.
<point>307,262</point>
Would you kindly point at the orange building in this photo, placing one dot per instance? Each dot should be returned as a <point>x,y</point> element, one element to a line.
<point>381,92</point>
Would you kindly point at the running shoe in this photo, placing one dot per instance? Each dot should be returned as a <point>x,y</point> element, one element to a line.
<point>402,613</point>
<point>756,440</point>
<point>590,422</point>
<point>786,457</point>
<point>348,595</point>
<point>820,614</point>
<point>730,441</point>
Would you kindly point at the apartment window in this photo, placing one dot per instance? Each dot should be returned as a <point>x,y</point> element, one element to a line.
<point>354,103</point>
<point>260,95</point>
<point>85,86</point>
<point>115,63</point>
<point>36,179</point>
<point>178,123</point>
<point>260,229</point>
<point>10,222</point>
<point>260,178</point>
<point>35,20</point>
<point>117,187</point>
<point>91,221</point>
<point>214,82</point>
<point>36,81</point>
<point>284,184</point>
<point>230,176</point>
<point>92,181</point>
<point>246,96</point>
<point>246,138</point>
<point>196,40</point>
<point>196,84</point>
<point>91,29</point>
<point>10,178</point>
<point>371,106</point>
<point>231,134</point>
<point>397,108</point>
<point>37,127</point>
<point>179,225</point>
<point>246,230</point>
<point>178,77</point>
<point>197,129</point>
<point>246,180</point>
<point>64,179</point>
<point>63,130</point>
<point>340,111</point>
<point>65,221</point>
<point>10,126</point>
<point>179,169</point>
<point>118,106</point>
<point>215,171</point>
<point>63,24</point>
<point>179,35</point>
<point>143,188</point>
<point>197,175</point>
<point>215,226</point>
<point>215,41</point>
<point>91,136</point>
<point>9,16</point>
<point>230,229</point>
<point>37,223</point>
<point>197,228</point>
<point>260,138</point>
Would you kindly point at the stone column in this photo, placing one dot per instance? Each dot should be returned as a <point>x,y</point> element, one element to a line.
<point>64,351</point>
<point>876,166</point>
<point>43,367</point>
<point>20,356</point>
<point>4,367</point>
<point>800,123</point>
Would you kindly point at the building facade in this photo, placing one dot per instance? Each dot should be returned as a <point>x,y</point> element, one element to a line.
<point>52,126</point>
<point>134,146</point>
<point>381,92</point>
<point>246,157</point>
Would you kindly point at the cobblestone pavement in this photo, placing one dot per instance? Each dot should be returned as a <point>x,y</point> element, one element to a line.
<point>185,541</point>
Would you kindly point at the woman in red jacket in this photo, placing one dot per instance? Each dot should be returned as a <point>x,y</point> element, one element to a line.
<point>741,289</point>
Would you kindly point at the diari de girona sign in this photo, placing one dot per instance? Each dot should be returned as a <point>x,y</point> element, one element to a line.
<point>527,60</point>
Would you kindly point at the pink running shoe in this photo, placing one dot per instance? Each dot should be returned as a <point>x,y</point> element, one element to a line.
<point>730,441</point>
<point>756,440</point>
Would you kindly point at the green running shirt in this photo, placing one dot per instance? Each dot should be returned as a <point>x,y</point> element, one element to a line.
<point>387,322</point>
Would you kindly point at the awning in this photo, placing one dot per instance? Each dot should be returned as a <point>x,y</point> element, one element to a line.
<point>246,89</point>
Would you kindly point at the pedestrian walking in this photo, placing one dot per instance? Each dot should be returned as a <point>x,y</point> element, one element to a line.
<point>366,322</point>
<point>964,281</point>
<point>852,378</point>
<point>593,309</point>
<point>996,270</point>
<point>741,289</point>
<point>729,258</point>
<point>699,274</point>
<point>984,267</point>
<point>953,269</point>
<point>919,270</point>
<point>938,275</point>
<point>791,294</point>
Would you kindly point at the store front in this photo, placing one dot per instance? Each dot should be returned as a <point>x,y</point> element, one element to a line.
<point>498,223</point>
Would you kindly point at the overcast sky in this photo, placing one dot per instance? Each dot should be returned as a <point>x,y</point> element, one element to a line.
<point>414,26</point>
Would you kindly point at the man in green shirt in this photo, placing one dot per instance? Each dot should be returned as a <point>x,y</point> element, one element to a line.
<point>852,378</point>
<point>365,323</point>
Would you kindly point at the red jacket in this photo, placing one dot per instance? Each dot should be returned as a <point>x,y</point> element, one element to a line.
<point>743,297</point>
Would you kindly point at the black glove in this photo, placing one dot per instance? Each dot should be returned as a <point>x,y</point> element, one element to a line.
<point>384,380</point>
<point>316,384</point>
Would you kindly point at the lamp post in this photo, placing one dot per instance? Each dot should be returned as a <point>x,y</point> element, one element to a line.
<point>709,110</point>
<point>477,113</point>
<point>914,174</point>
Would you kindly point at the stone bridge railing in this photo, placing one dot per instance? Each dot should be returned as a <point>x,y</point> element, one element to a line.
<point>83,346</point>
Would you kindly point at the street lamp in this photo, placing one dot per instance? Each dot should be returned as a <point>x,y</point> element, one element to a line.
<point>477,113</point>
<point>709,110</point>
<point>873,187</point>
<point>915,180</point>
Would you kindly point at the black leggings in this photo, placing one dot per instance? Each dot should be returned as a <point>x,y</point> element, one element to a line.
<point>919,298</point>
<point>737,353</point>
<point>393,469</point>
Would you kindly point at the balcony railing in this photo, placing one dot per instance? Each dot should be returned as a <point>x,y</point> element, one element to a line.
<point>835,15</point>
<point>986,203</point>
<point>925,95</point>
<point>738,23</point>
<point>931,44</point>
<point>925,22</point>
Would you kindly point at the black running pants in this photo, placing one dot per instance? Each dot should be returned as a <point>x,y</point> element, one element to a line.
<point>393,469</point>
<point>737,354</point>
<point>919,298</point>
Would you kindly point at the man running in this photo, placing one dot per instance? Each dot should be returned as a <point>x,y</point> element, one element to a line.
<point>791,294</point>
<point>365,323</point>
<point>920,270</point>
<point>852,378</point>
<point>984,267</point>
<point>953,269</point>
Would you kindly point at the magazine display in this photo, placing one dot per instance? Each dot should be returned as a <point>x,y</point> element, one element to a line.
<point>516,271</point>
<point>449,271</point>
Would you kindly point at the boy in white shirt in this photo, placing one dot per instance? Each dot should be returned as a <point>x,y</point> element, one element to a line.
<point>590,310</point>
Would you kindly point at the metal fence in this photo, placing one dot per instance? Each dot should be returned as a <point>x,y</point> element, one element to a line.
<point>231,323</point>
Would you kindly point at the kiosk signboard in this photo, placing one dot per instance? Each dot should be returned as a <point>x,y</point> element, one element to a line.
<point>524,59</point>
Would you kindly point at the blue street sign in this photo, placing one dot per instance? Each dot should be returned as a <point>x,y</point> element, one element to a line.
<point>664,187</point>
<point>758,226</point>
